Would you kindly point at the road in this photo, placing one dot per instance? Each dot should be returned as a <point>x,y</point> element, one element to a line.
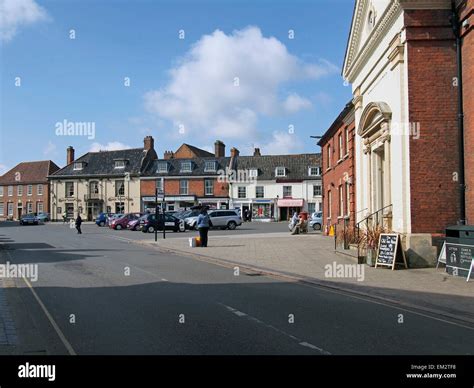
<point>99,295</point>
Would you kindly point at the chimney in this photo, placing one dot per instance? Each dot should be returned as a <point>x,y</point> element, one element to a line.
<point>234,152</point>
<point>219,149</point>
<point>148,143</point>
<point>256,152</point>
<point>168,155</point>
<point>70,155</point>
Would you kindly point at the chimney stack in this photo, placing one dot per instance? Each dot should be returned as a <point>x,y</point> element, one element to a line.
<point>234,152</point>
<point>168,155</point>
<point>219,149</point>
<point>148,143</point>
<point>256,152</point>
<point>70,155</point>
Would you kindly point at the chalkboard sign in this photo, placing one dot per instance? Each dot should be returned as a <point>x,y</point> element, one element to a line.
<point>390,251</point>
<point>459,259</point>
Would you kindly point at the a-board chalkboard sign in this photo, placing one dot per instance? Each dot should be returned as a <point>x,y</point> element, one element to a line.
<point>459,259</point>
<point>390,251</point>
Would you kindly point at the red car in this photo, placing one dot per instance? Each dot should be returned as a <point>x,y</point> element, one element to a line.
<point>121,223</point>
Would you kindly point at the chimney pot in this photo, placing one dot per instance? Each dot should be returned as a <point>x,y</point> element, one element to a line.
<point>69,155</point>
<point>234,152</point>
<point>219,149</point>
<point>256,152</point>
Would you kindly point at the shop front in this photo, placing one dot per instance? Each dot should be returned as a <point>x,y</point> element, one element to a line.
<point>215,202</point>
<point>288,206</point>
<point>263,210</point>
<point>172,203</point>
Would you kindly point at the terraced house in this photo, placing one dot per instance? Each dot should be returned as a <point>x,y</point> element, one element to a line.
<point>104,181</point>
<point>24,189</point>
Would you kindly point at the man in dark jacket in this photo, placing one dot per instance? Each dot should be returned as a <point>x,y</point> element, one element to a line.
<point>78,224</point>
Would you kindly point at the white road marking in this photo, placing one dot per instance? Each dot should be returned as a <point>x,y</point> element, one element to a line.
<point>249,317</point>
<point>163,280</point>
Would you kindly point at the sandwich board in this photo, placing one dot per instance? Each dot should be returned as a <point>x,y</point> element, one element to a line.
<point>390,251</point>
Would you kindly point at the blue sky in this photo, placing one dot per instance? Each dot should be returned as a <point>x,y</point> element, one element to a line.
<point>236,76</point>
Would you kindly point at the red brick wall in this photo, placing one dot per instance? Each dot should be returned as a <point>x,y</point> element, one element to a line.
<point>195,187</point>
<point>467,13</point>
<point>432,102</point>
<point>34,199</point>
<point>337,175</point>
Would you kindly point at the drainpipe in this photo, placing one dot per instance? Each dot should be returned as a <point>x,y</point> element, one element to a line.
<point>456,25</point>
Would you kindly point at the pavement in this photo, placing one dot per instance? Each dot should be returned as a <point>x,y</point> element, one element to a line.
<point>106,292</point>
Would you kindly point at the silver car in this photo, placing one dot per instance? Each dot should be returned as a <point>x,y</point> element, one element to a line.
<point>225,219</point>
<point>316,220</point>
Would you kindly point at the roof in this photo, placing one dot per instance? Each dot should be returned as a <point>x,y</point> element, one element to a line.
<point>296,165</point>
<point>336,123</point>
<point>103,163</point>
<point>198,152</point>
<point>30,172</point>
<point>174,166</point>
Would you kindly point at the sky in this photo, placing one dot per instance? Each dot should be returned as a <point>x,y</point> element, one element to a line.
<point>104,74</point>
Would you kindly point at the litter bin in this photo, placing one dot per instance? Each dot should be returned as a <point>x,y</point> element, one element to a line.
<point>459,249</point>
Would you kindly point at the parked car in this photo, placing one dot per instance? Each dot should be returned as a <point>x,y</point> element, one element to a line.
<point>112,217</point>
<point>121,222</point>
<point>152,222</point>
<point>101,220</point>
<point>190,219</point>
<point>43,217</point>
<point>29,219</point>
<point>316,221</point>
<point>225,219</point>
<point>135,224</point>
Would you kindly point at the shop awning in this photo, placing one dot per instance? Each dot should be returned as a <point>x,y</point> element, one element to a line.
<point>290,202</point>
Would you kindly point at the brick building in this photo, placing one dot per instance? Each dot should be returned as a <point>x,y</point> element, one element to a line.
<point>401,61</point>
<point>338,170</point>
<point>24,189</point>
<point>190,177</point>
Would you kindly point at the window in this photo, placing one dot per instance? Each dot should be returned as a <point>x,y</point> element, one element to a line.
<point>69,189</point>
<point>19,190</point>
<point>341,201</point>
<point>119,188</point>
<point>347,141</point>
<point>10,191</point>
<point>208,187</point>
<point>1,209</point>
<point>1,191</point>
<point>329,203</point>
<point>253,173</point>
<point>162,167</point>
<point>40,189</point>
<point>242,192</point>
<point>39,207</point>
<point>280,171</point>
<point>329,156</point>
<point>348,202</point>
<point>314,171</point>
<point>311,208</point>
<point>29,190</point>
<point>210,165</point>
<point>341,145</point>
<point>259,192</point>
<point>183,187</point>
<point>78,166</point>
<point>119,164</point>
<point>29,207</point>
<point>94,188</point>
<point>186,167</point>
<point>10,208</point>
<point>119,207</point>
<point>286,191</point>
<point>317,190</point>
<point>159,185</point>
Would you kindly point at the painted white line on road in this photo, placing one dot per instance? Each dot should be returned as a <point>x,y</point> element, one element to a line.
<point>163,280</point>
<point>251,318</point>
<point>120,238</point>
<point>56,328</point>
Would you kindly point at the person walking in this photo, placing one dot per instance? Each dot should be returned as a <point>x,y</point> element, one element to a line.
<point>64,217</point>
<point>78,224</point>
<point>203,224</point>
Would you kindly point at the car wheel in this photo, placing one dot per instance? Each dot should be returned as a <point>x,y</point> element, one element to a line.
<point>151,229</point>
<point>101,223</point>
<point>118,227</point>
<point>232,225</point>
<point>317,226</point>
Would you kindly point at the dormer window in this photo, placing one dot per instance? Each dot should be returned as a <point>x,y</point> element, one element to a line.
<point>314,171</point>
<point>280,171</point>
<point>162,167</point>
<point>253,173</point>
<point>78,166</point>
<point>186,167</point>
<point>210,166</point>
<point>119,164</point>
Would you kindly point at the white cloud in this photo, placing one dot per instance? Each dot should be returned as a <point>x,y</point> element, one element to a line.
<point>282,143</point>
<point>111,146</point>
<point>18,13</point>
<point>202,94</point>
<point>49,149</point>
<point>294,103</point>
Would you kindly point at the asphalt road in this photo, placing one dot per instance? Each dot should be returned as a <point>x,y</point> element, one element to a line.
<point>99,295</point>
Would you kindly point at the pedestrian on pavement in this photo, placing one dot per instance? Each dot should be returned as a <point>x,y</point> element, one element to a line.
<point>64,217</point>
<point>78,224</point>
<point>203,224</point>
<point>249,215</point>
